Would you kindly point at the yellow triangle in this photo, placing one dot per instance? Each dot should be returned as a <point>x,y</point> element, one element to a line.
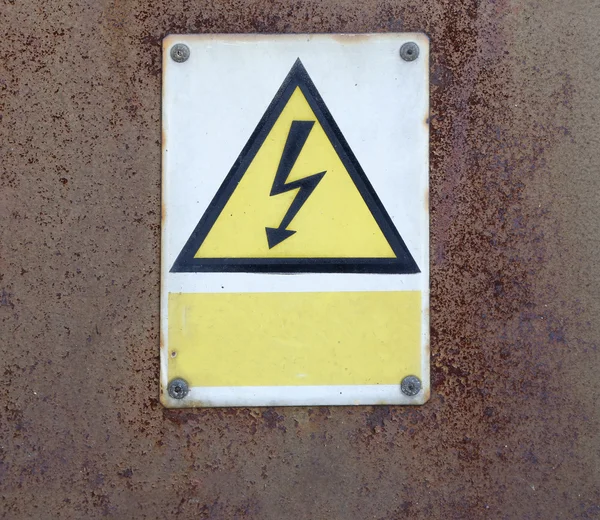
<point>334,222</point>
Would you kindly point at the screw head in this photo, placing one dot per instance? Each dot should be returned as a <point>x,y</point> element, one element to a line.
<point>410,385</point>
<point>180,52</point>
<point>178,388</point>
<point>409,51</point>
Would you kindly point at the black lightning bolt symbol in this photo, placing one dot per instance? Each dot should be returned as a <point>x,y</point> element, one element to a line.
<point>295,142</point>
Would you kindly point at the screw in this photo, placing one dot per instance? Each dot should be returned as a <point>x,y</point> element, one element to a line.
<point>409,51</point>
<point>411,385</point>
<point>178,389</point>
<point>180,52</point>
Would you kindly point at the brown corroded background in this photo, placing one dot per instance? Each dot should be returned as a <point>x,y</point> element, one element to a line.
<point>511,430</point>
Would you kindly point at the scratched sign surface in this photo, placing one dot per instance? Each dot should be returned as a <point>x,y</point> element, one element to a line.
<point>295,260</point>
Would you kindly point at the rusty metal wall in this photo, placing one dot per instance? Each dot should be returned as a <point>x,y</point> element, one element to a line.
<point>511,430</point>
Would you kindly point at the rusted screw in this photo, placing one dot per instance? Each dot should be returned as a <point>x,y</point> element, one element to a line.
<point>409,51</point>
<point>178,388</point>
<point>410,385</point>
<point>180,52</point>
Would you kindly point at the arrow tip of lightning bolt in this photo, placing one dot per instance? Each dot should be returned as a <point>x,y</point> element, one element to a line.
<point>277,235</point>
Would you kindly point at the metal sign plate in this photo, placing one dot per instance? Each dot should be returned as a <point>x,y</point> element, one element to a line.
<point>295,239</point>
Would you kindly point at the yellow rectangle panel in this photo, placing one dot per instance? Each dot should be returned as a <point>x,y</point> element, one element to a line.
<point>287,339</point>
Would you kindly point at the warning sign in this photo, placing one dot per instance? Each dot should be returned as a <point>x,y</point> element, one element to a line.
<point>296,200</point>
<point>295,239</point>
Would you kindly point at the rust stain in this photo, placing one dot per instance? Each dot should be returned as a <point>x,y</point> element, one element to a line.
<point>427,394</point>
<point>349,39</point>
<point>514,338</point>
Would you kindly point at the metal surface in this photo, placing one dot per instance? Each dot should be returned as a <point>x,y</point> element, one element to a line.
<point>515,279</point>
<point>409,51</point>
<point>330,307</point>
<point>178,388</point>
<point>410,385</point>
<point>180,52</point>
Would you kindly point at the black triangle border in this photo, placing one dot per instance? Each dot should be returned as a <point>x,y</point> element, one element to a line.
<point>402,264</point>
